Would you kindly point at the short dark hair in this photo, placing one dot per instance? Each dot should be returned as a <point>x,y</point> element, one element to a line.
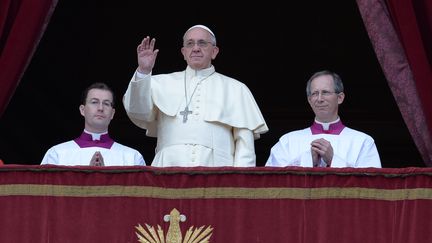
<point>98,85</point>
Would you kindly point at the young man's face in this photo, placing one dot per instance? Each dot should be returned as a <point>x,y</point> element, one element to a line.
<point>98,110</point>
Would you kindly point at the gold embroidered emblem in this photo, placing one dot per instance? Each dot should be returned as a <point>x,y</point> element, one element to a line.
<point>174,235</point>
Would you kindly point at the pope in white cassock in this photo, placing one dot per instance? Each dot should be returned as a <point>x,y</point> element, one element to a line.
<point>328,142</point>
<point>199,116</point>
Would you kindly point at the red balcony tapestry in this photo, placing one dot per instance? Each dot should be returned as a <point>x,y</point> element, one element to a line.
<point>147,204</point>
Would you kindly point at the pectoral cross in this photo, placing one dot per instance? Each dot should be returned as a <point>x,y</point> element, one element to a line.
<point>185,114</point>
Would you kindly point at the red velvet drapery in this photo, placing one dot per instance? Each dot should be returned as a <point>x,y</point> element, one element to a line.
<point>401,34</point>
<point>22,23</point>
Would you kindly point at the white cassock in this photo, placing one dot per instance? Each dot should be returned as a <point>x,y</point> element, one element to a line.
<point>351,148</point>
<point>81,150</point>
<point>220,129</point>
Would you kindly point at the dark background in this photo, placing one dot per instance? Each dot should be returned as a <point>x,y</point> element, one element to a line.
<point>271,47</point>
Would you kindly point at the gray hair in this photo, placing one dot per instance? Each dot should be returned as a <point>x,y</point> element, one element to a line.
<point>337,81</point>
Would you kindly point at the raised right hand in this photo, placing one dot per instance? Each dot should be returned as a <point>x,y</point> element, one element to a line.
<point>146,55</point>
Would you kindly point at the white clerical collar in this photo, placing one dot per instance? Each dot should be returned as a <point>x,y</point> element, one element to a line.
<point>190,72</point>
<point>95,136</point>
<point>326,125</point>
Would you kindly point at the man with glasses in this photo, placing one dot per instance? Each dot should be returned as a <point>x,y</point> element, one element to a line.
<point>327,143</point>
<point>199,116</point>
<point>94,147</point>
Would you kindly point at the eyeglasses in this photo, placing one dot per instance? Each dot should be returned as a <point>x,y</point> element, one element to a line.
<point>105,103</point>
<point>200,43</point>
<point>324,93</point>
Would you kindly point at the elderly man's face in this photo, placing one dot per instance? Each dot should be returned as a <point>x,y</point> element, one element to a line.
<point>198,51</point>
<point>323,99</point>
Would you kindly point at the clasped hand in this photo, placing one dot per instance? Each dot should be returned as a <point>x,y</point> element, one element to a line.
<point>97,159</point>
<point>321,148</point>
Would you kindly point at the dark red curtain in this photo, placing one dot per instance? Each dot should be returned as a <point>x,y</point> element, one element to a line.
<point>22,23</point>
<point>401,35</point>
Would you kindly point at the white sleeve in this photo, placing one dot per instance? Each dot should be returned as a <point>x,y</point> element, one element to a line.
<point>361,155</point>
<point>244,153</point>
<point>280,155</point>
<point>51,157</point>
<point>368,155</point>
<point>137,100</point>
<point>139,159</point>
